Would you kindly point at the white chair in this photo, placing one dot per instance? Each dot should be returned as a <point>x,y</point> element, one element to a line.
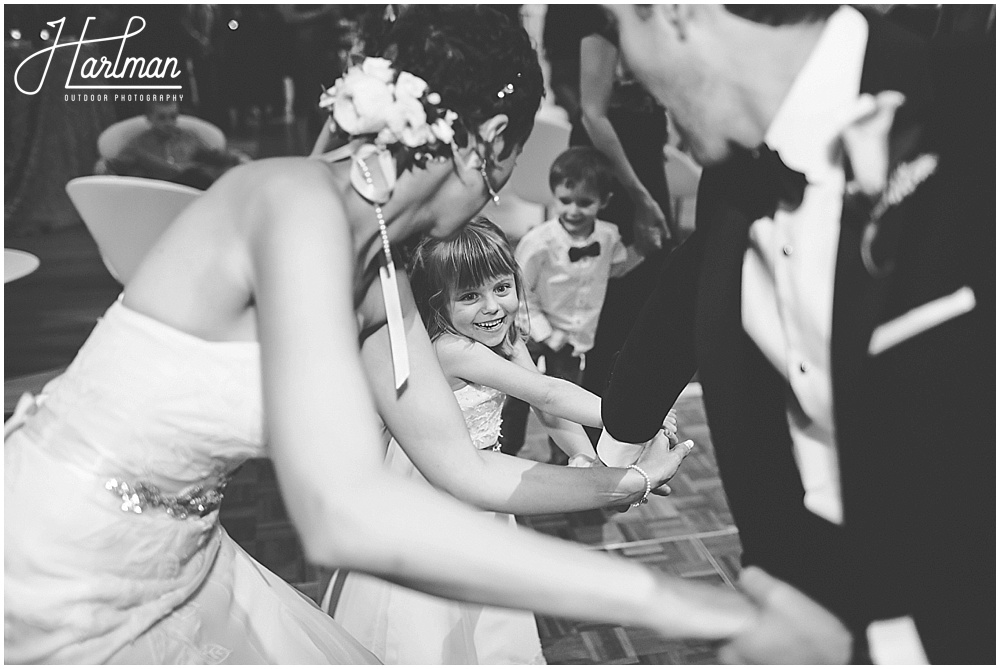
<point>126,215</point>
<point>683,175</point>
<point>526,196</point>
<point>549,138</point>
<point>114,138</point>
<point>17,264</point>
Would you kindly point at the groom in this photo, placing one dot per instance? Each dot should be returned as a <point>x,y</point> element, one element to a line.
<point>837,301</point>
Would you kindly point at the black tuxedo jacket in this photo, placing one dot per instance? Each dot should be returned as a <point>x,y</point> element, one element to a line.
<point>914,415</point>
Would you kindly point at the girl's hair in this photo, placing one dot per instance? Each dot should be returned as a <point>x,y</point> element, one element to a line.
<point>479,61</point>
<point>441,268</point>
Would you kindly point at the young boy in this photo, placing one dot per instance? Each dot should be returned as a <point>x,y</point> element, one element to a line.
<point>566,263</point>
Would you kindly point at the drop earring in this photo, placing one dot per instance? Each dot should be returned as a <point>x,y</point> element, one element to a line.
<point>489,186</point>
<point>482,171</point>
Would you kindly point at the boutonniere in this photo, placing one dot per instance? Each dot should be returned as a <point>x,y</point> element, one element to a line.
<point>879,181</point>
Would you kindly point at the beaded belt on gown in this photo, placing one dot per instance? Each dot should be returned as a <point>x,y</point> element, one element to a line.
<point>139,497</point>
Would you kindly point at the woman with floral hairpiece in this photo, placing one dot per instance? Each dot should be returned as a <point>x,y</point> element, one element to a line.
<point>269,320</point>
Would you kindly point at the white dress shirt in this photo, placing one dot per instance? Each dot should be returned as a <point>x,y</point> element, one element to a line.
<point>788,277</point>
<point>565,297</point>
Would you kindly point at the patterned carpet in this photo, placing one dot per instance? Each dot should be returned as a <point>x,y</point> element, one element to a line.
<point>688,534</point>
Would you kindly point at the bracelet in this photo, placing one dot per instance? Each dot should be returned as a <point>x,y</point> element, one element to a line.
<point>649,486</point>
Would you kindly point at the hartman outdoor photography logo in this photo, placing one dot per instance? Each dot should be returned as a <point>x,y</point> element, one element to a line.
<point>92,70</point>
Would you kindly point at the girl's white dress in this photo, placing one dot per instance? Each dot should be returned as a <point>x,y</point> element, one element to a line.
<point>113,551</point>
<point>402,626</point>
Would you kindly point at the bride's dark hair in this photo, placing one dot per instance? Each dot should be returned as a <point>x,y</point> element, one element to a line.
<point>479,62</point>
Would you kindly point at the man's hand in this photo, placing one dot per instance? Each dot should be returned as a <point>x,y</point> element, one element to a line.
<point>791,628</point>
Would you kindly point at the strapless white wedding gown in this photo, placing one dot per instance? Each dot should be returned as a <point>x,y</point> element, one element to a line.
<point>403,626</point>
<point>112,544</point>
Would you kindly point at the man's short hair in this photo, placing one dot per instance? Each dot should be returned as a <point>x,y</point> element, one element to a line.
<point>582,165</point>
<point>780,15</point>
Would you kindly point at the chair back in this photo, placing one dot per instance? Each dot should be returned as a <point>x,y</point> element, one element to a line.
<point>111,142</point>
<point>549,138</point>
<point>683,173</point>
<point>126,215</point>
<point>17,264</point>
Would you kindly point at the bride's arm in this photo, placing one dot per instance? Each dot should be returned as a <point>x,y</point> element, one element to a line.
<point>350,512</point>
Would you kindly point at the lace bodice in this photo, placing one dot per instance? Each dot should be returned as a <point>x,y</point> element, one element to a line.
<point>482,408</point>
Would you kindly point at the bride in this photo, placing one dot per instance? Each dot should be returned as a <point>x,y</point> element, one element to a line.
<point>268,321</point>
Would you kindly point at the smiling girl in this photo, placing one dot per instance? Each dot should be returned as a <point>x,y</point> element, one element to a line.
<point>469,292</point>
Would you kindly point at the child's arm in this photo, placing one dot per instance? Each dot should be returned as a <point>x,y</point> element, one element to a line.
<point>476,363</point>
<point>569,436</point>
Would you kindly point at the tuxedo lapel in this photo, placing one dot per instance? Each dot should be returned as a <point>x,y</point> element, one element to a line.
<point>744,395</point>
<point>726,230</point>
<point>893,61</point>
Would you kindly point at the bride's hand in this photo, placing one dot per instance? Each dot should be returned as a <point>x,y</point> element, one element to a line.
<point>695,610</point>
<point>661,458</point>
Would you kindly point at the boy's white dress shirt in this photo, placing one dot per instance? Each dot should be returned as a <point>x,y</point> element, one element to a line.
<point>565,296</point>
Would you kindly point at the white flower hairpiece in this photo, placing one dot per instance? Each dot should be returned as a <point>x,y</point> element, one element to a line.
<point>392,107</point>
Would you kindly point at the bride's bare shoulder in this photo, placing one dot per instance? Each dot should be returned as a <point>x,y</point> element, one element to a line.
<point>288,187</point>
<point>295,172</point>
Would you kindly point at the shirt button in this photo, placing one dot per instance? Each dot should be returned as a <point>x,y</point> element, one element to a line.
<point>787,249</point>
<point>803,367</point>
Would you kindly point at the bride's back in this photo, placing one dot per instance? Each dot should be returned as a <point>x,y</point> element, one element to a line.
<point>199,276</point>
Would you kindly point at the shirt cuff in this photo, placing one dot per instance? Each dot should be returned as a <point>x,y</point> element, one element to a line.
<point>556,339</point>
<point>540,328</point>
<point>616,453</point>
<point>895,641</point>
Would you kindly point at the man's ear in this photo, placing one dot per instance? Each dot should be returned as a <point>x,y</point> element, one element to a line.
<point>606,201</point>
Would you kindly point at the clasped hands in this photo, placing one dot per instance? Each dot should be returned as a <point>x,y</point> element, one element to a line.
<point>659,457</point>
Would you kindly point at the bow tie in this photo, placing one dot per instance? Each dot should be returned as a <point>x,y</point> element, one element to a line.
<point>592,249</point>
<point>765,181</point>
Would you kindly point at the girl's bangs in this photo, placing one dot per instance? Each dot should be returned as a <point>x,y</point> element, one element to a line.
<point>476,259</point>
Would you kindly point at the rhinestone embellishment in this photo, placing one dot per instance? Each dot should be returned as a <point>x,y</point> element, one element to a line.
<point>140,497</point>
